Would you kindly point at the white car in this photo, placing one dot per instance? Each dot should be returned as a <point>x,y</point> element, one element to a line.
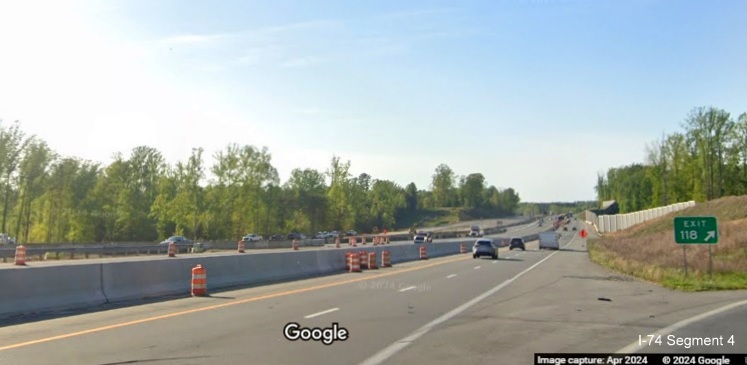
<point>251,237</point>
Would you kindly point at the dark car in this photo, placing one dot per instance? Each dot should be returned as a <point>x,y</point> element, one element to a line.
<point>516,243</point>
<point>179,240</point>
<point>295,236</point>
<point>276,237</point>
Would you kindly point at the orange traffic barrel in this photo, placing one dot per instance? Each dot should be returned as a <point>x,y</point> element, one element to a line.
<point>295,244</point>
<point>355,262</point>
<point>364,260</point>
<point>372,261</point>
<point>172,249</point>
<point>387,240</point>
<point>241,246</point>
<point>347,261</point>
<point>386,259</point>
<point>423,253</point>
<point>21,255</point>
<point>337,242</point>
<point>199,281</point>
<point>363,241</point>
<point>462,248</point>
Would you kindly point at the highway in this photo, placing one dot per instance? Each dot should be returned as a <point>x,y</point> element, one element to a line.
<point>439,311</point>
<point>520,230</point>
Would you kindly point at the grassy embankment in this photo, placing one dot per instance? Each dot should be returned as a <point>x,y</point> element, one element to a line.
<point>648,250</point>
<point>438,217</point>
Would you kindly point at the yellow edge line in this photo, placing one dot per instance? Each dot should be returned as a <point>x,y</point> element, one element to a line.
<point>242,301</point>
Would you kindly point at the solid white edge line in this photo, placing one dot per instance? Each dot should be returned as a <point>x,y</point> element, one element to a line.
<point>406,289</point>
<point>321,313</point>
<point>634,346</point>
<point>392,349</point>
<point>451,276</point>
<point>477,267</point>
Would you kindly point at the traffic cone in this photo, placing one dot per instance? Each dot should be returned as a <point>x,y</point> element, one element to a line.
<point>355,262</point>
<point>199,281</point>
<point>172,249</point>
<point>372,261</point>
<point>364,260</point>
<point>21,255</point>
<point>386,260</point>
<point>423,253</point>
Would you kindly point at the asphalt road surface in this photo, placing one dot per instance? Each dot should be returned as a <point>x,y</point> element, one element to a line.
<point>441,311</point>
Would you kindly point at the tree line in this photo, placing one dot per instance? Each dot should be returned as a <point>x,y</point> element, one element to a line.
<point>704,161</point>
<point>51,198</point>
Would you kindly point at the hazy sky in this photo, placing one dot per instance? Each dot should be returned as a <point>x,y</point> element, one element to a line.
<point>536,95</point>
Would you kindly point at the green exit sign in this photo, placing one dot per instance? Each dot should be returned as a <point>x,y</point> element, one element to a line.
<point>695,230</point>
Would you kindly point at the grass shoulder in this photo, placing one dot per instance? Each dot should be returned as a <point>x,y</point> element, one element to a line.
<point>648,251</point>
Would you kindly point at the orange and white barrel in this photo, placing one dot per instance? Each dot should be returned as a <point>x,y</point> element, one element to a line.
<point>363,241</point>
<point>295,245</point>
<point>199,281</point>
<point>337,242</point>
<point>355,262</point>
<point>242,245</point>
<point>172,249</point>
<point>21,255</point>
<point>364,260</point>
<point>372,261</point>
<point>423,253</point>
<point>462,248</point>
<point>387,240</point>
<point>386,259</point>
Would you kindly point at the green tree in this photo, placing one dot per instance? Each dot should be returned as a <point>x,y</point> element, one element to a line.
<point>442,186</point>
<point>472,190</point>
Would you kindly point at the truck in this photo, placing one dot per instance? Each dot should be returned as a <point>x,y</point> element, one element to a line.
<point>474,231</point>
<point>549,240</point>
<point>6,240</point>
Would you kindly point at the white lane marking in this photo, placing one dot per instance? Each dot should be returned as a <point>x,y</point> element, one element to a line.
<point>495,262</point>
<point>406,289</point>
<point>451,276</point>
<point>392,349</point>
<point>321,313</point>
<point>477,267</point>
<point>635,346</point>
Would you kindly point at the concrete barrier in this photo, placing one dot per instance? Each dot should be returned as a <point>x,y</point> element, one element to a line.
<point>34,289</point>
<point>50,288</point>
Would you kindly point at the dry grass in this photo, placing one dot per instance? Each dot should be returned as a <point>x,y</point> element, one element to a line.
<point>649,251</point>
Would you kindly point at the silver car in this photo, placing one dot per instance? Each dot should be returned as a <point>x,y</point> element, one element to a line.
<point>484,247</point>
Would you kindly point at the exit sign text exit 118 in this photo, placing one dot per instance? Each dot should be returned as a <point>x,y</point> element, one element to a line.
<point>696,230</point>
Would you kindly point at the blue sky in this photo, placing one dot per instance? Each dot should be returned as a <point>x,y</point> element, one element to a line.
<point>536,95</point>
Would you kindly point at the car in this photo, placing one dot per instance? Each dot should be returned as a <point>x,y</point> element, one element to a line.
<point>251,237</point>
<point>423,237</point>
<point>179,240</point>
<point>351,233</point>
<point>295,236</point>
<point>276,237</point>
<point>484,247</point>
<point>516,242</point>
<point>474,231</point>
